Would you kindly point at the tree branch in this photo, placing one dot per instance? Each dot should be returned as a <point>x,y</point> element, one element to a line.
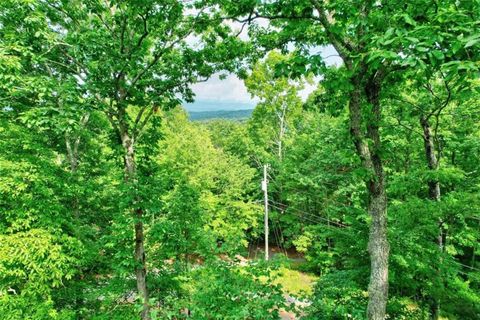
<point>343,47</point>
<point>122,34</point>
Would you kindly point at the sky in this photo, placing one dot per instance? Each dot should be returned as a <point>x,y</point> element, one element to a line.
<point>231,93</point>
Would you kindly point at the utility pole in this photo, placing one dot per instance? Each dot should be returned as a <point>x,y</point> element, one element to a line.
<point>265,196</point>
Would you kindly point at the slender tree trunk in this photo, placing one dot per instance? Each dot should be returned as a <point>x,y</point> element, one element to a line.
<point>72,146</point>
<point>73,161</point>
<point>472,263</point>
<point>434,194</point>
<point>378,246</point>
<point>140,264</point>
<point>434,184</point>
<point>71,154</point>
<point>281,131</point>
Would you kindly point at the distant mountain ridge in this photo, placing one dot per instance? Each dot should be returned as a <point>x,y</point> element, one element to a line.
<point>220,114</point>
<point>205,105</point>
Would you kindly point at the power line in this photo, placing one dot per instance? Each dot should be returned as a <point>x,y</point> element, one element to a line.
<point>473,217</point>
<point>314,215</point>
<point>278,228</point>
<point>275,234</point>
<point>265,195</point>
<point>281,235</point>
<point>313,218</point>
<point>466,266</point>
<point>350,227</point>
<point>314,221</point>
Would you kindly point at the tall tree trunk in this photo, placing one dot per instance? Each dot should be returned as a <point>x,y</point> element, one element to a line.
<point>140,264</point>
<point>72,146</point>
<point>72,157</point>
<point>434,194</point>
<point>433,184</point>
<point>378,246</point>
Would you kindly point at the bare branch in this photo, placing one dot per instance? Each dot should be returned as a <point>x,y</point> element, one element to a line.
<point>139,130</point>
<point>63,65</point>
<point>122,34</point>
<point>256,15</point>
<point>428,86</point>
<point>437,117</point>
<point>61,10</point>
<point>157,57</point>
<point>83,123</point>
<point>343,47</point>
<point>399,122</point>
<point>109,110</point>
<point>74,60</point>
<point>105,24</point>
<point>139,117</point>
<point>408,102</point>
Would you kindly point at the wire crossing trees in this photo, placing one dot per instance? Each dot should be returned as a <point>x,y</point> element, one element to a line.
<point>265,196</point>
<point>373,40</point>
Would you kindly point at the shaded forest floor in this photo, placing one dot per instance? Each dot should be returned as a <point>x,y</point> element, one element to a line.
<point>297,285</point>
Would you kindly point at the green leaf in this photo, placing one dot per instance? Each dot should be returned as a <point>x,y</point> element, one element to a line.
<point>472,42</point>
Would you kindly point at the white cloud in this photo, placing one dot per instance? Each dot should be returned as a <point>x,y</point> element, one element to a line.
<point>231,89</point>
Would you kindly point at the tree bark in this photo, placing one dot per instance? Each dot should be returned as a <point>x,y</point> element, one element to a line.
<point>73,158</point>
<point>434,194</point>
<point>378,246</point>
<point>281,129</point>
<point>433,184</point>
<point>369,153</point>
<point>140,261</point>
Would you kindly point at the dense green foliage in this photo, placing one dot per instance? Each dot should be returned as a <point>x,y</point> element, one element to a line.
<point>114,205</point>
